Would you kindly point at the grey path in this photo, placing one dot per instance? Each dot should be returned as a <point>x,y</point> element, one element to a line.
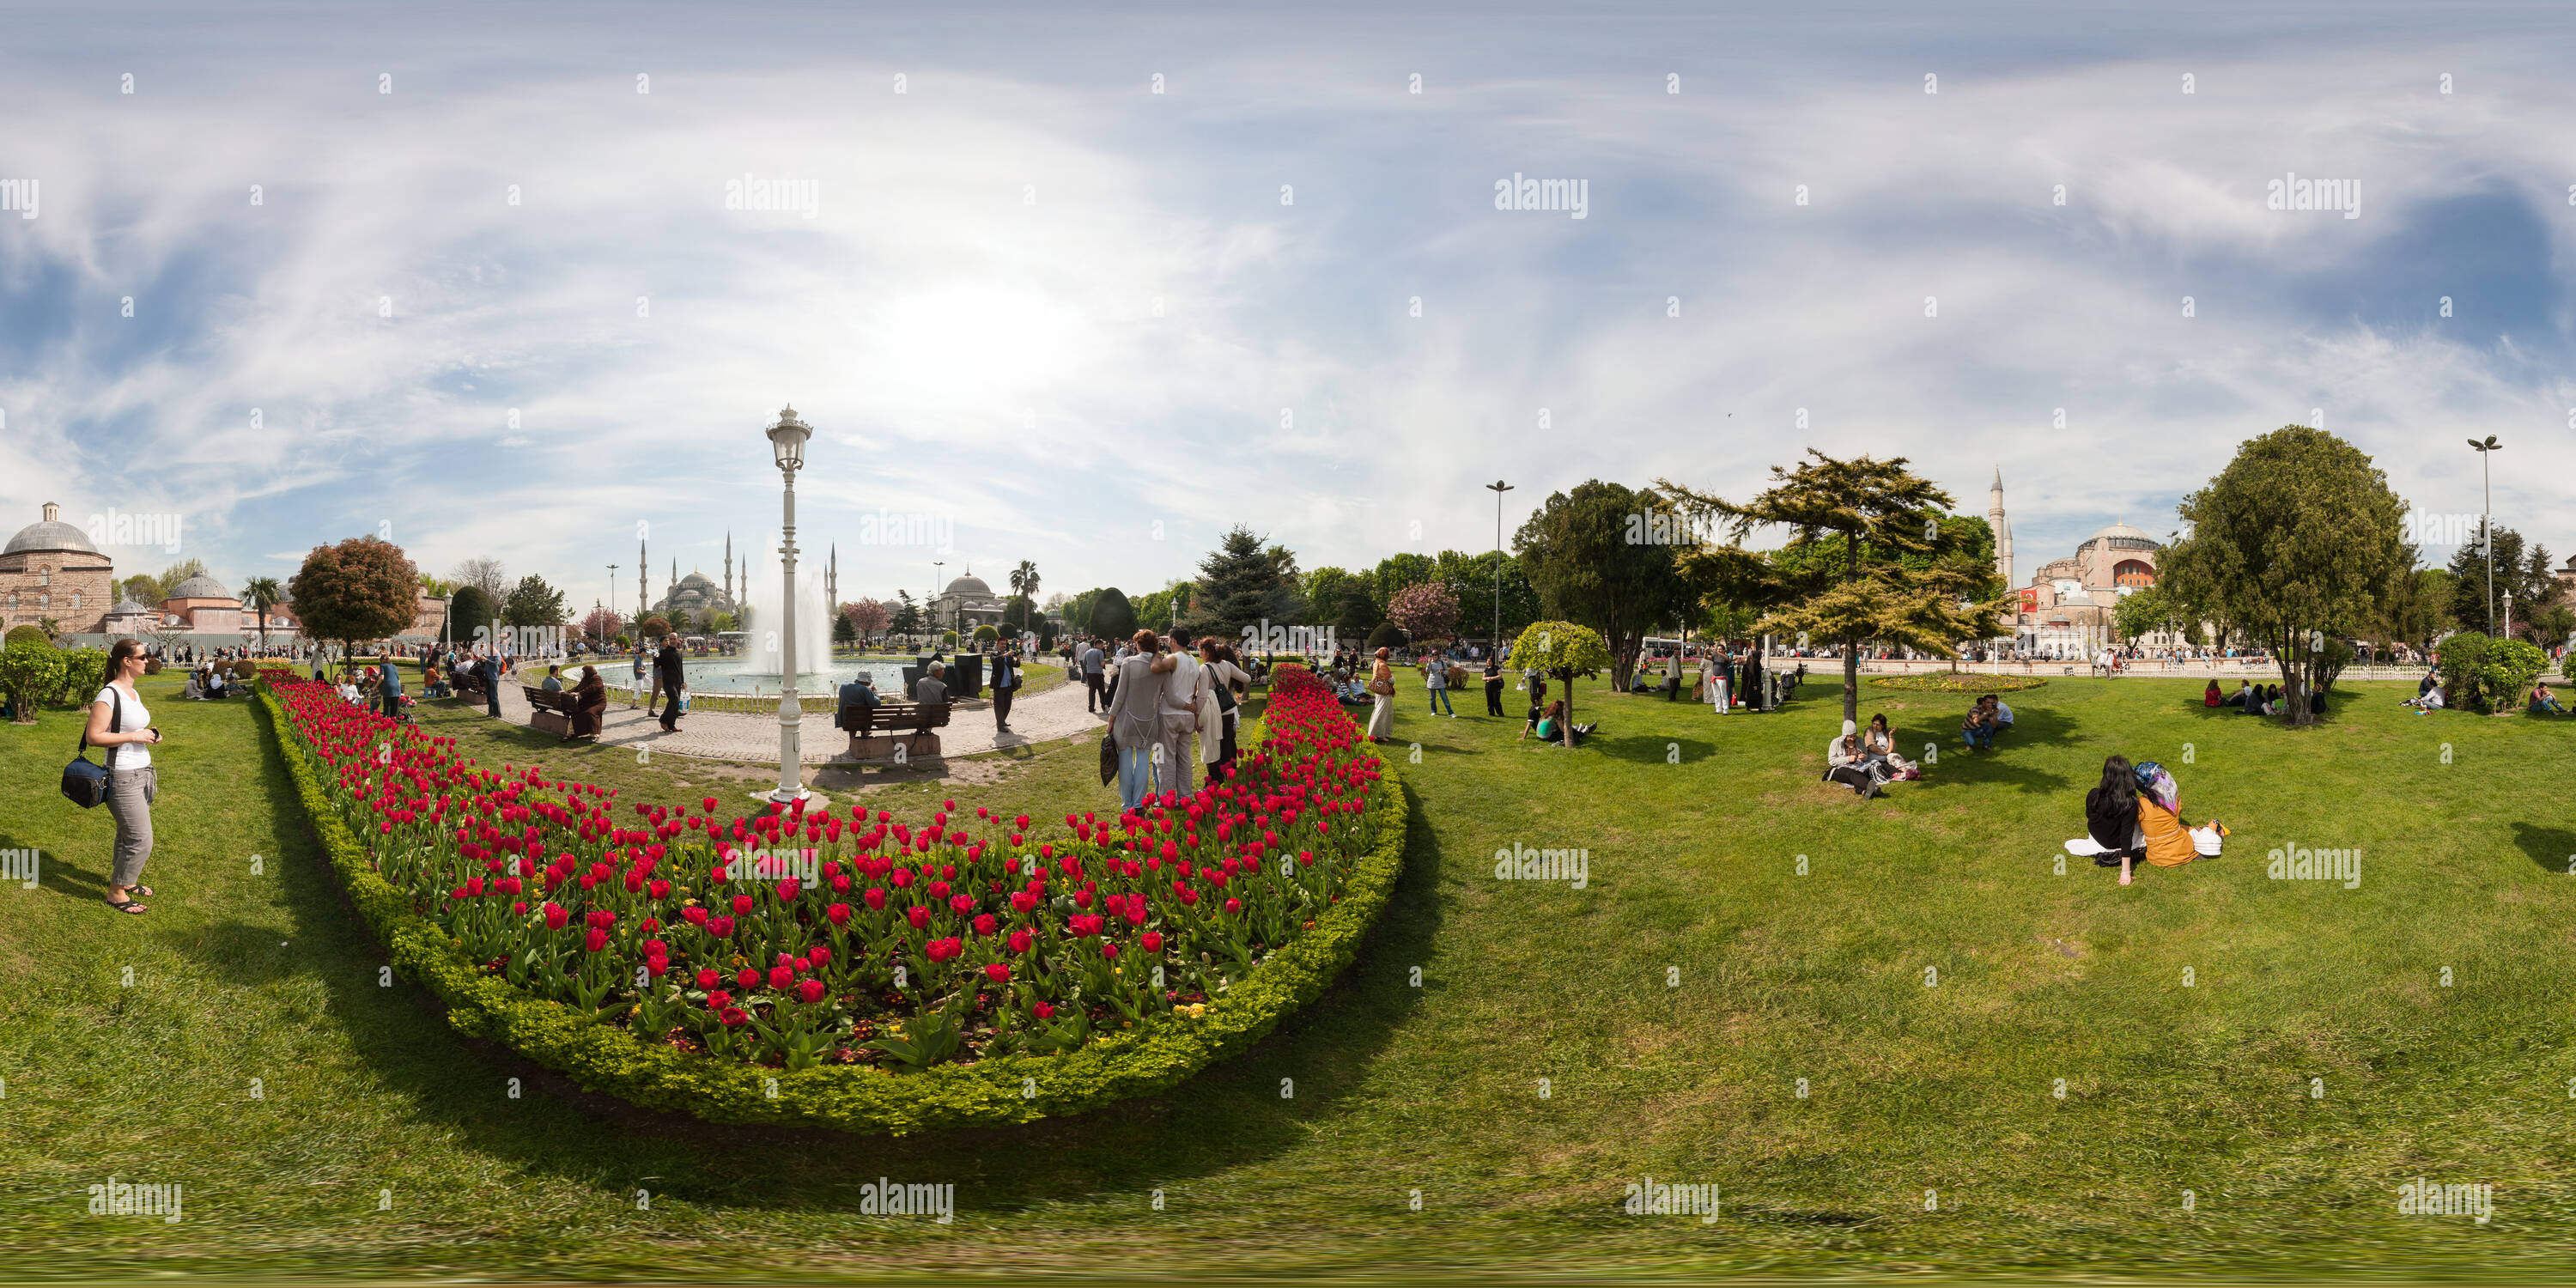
<point>735,735</point>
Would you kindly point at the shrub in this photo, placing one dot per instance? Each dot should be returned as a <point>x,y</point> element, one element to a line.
<point>29,672</point>
<point>986,634</point>
<point>1387,635</point>
<point>1240,904</point>
<point>2460,656</point>
<point>1960,682</point>
<point>30,635</point>
<point>2507,669</point>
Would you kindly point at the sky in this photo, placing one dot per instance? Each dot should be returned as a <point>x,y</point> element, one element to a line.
<point>1088,285</point>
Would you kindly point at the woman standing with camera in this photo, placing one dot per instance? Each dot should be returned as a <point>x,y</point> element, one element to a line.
<point>119,722</point>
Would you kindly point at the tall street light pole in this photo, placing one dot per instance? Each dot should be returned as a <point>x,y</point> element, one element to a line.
<point>787,442</point>
<point>930,610</point>
<point>1498,487</point>
<point>2486,529</point>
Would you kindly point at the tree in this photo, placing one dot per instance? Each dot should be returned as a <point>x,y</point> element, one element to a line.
<point>1471,579</point>
<point>2151,610</point>
<point>436,587</point>
<point>655,627</point>
<point>1017,612</point>
<point>1870,557</point>
<point>260,594</point>
<point>1388,635</point>
<point>1564,650</point>
<point>361,589</point>
<point>1582,553</point>
<point>1164,609</point>
<point>1399,570</point>
<point>719,622</point>
<point>1024,579</point>
<point>987,633</point>
<point>143,588</point>
<point>843,633</point>
<point>468,609</point>
<point>601,624</point>
<point>533,603</point>
<point>867,617</point>
<point>907,614</point>
<point>1240,584</point>
<point>482,574</point>
<point>2296,542</point>
<point>1426,611</point>
<point>1357,615</point>
<point>1112,617</point>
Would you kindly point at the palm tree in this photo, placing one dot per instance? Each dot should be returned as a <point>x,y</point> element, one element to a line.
<point>261,593</point>
<point>1024,579</point>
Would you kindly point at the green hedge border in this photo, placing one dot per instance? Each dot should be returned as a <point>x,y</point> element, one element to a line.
<point>854,1098</point>
<point>1968,682</point>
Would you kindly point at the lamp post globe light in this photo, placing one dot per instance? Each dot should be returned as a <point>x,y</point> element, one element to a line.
<point>787,444</point>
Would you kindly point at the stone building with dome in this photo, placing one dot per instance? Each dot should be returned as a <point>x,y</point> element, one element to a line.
<point>202,606</point>
<point>965,605</point>
<point>50,569</point>
<point>2069,605</point>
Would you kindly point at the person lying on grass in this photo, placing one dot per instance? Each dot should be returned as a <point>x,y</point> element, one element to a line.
<point>1551,726</point>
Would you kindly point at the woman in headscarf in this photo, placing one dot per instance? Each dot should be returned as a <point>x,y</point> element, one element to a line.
<point>2170,842</point>
<point>589,703</point>
<point>2111,816</point>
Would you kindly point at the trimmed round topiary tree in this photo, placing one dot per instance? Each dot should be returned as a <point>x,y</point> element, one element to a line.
<point>1563,650</point>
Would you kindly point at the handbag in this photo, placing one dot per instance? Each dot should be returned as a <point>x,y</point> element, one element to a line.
<point>85,782</point>
<point>1383,688</point>
<point>1108,758</point>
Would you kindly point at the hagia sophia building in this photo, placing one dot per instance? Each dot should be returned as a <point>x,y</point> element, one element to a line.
<point>2067,606</point>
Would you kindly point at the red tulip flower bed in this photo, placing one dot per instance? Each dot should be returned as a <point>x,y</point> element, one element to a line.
<point>796,939</point>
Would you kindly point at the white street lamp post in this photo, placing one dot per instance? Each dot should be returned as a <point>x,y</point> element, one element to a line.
<point>787,441</point>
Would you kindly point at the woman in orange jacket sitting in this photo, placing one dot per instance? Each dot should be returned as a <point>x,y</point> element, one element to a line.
<point>2170,841</point>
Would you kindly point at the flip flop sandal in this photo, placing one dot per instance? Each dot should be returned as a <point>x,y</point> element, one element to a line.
<point>140,892</point>
<point>128,907</point>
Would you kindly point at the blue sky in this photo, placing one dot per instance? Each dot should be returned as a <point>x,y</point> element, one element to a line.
<point>970,316</point>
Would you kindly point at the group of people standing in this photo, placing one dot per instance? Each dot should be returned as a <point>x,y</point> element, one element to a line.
<point>1160,690</point>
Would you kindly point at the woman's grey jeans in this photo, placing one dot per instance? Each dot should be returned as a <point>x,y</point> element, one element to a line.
<point>130,793</point>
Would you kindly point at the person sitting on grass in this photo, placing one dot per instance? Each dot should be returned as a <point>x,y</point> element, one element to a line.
<point>2244,693</point>
<point>2209,696</point>
<point>2000,715</point>
<point>2171,842</point>
<point>1537,685</point>
<point>2543,700</point>
<point>1849,763</point>
<point>2425,702</point>
<point>1552,726</point>
<point>2111,817</point>
<point>1879,742</point>
<point>1979,727</point>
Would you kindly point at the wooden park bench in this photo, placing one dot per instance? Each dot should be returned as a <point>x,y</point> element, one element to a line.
<point>550,712</point>
<point>874,731</point>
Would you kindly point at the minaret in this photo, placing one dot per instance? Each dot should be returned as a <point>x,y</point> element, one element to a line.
<point>832,578</point>
<point>729,571</point>
<point>643,601</point>
<point>2003,529</point>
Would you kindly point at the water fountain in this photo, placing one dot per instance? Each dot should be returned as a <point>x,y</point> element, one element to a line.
<point>760,656</point>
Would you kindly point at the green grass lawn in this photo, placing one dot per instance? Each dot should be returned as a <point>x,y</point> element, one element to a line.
<point>1671,1007</point>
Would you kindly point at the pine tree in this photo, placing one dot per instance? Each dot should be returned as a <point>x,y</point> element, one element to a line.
<point>1242,583</point>
<point>1869,559</point>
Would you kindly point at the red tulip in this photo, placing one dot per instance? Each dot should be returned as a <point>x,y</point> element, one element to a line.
<point>810,991</point>
<point>997,972</point>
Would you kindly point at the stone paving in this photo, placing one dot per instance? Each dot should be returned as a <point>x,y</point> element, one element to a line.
<point>737,735</point>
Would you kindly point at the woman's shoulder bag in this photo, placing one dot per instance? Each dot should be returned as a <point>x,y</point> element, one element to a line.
<point>85,782</point>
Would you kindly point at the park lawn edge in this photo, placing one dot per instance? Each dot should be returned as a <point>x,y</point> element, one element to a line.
<point>861,1099</point>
